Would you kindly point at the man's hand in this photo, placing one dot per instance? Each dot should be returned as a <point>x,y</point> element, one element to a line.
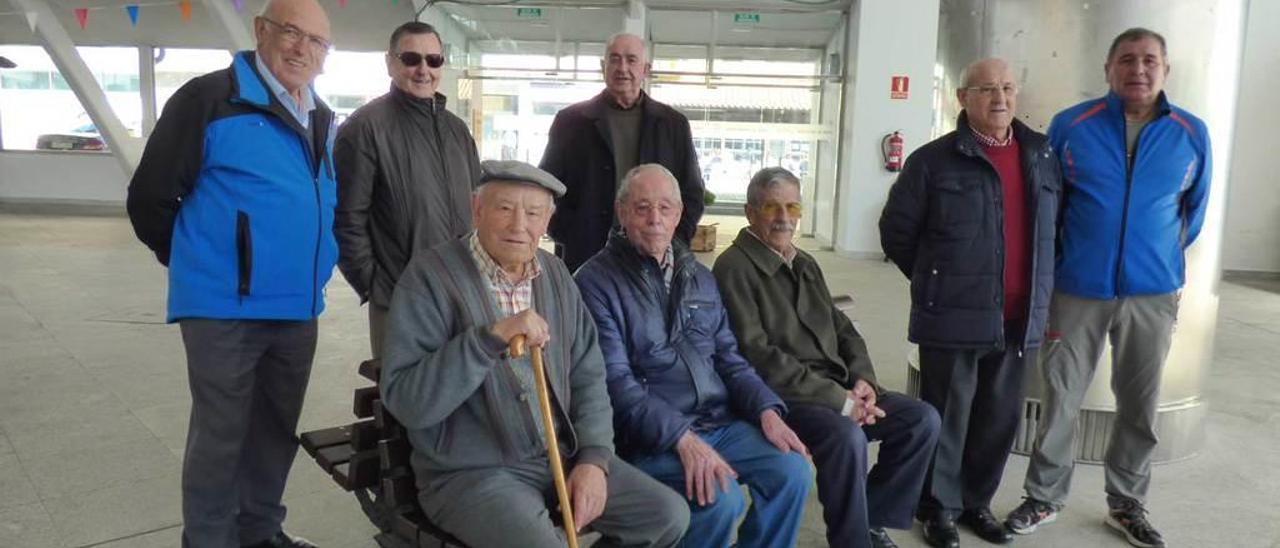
<point>527,323</point>
<point>781,435</point>
<point>865,411</point>
<point>588,491</point>
<point>703,468</point>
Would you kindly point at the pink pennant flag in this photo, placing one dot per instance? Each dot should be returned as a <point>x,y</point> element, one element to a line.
<point>342,3</point>
<point>239,4</point>
<point>82,15</point>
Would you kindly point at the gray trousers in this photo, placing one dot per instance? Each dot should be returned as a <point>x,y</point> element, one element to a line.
<point>508,507</point>
<point>247,380</point>
<point>377,328</point>
<point>1141,331</point>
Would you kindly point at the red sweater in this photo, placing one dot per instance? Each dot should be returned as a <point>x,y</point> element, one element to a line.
<point>1017,230</point>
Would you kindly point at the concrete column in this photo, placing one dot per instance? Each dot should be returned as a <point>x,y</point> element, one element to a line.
<point>636,20</point>
<point>147,85</point>
<point>239,38</point>
<point>884,40</point>
<point>53,36</point>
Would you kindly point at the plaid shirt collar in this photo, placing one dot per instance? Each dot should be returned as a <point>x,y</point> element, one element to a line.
<point>991,142</point>
<point>494,272</point>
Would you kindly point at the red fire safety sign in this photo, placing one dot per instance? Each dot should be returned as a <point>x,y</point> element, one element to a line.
<point>899,87</point>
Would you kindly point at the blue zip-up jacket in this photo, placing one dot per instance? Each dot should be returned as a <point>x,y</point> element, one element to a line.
<point>672,360</point>
<point>1123,229</point>
<point>237,199</point>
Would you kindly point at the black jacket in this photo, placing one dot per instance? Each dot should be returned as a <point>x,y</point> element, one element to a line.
<point>579,153</point>
<point>406,168</point>
<point>943,226</point>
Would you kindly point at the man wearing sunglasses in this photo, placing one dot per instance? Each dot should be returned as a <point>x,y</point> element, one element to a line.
<point>592,144</point>
<point>971,222</point>
<point>406,168</point>
<point>235,195</point>
<point>810,354</point>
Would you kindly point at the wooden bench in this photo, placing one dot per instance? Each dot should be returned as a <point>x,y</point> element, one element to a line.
<point>370,458</point>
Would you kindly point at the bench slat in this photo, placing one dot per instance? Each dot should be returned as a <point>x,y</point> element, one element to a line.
<point>363,404</point>
<point>318,439</point>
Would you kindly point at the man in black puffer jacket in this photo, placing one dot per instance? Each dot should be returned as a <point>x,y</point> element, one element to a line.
<point>971,221</point>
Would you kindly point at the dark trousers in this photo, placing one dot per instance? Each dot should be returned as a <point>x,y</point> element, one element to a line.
<point>247,379</point>
<point>978,393</point>
<point>853,499</point>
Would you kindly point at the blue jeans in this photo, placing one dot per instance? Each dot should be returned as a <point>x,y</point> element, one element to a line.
<point>779,484</point>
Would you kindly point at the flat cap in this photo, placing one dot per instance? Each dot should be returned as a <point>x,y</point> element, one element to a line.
<point>513,171</point>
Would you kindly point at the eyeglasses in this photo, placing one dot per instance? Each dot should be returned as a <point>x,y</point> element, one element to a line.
<point>773,209</point>
<point>990,89</point>
<point>413,59</point>
<point>293,35</point>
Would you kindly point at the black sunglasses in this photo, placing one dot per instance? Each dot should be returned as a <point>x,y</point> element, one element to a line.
<point>413,58</point>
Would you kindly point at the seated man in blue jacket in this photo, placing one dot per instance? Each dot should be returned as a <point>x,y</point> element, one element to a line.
<point>688,409</point>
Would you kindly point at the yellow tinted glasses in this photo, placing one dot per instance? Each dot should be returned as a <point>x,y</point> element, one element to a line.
<point>773,209</point>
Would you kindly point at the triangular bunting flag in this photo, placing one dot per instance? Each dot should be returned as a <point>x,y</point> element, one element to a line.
<point>31,20</point>
<point>132,9</point>
<point>186,10</point>
<point>239,4</point>
<point>82,15</point>
<point>342,3</point>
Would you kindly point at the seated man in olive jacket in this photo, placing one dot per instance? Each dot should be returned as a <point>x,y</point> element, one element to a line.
<point>808,352</point>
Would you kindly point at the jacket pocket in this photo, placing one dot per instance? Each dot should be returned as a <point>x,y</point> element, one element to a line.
<point>244,252</point>
<point>960,209</point>
<point>700,317</point>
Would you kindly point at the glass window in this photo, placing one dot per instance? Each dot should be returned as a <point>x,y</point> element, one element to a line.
<point>38,110</point>
<point>351,79</point>
<point>176,66</point>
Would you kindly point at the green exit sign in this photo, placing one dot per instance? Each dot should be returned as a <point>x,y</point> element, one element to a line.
<point>530,13</point>
<point>748,18</point>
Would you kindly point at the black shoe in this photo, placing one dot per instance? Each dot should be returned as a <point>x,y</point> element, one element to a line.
<point>986,526</point>
<point>1130,518</point>
<point>940,532</point>
<point>281,540</point>
<point>880,539</point>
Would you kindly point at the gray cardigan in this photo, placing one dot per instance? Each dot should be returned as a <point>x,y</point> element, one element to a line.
<point>448,380</point>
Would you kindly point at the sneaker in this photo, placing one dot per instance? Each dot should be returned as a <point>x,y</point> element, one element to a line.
<point>1029,515</point>
<point>1130,518</point>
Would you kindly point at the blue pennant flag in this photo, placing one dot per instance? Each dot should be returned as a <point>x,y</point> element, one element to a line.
<point>133,14</point>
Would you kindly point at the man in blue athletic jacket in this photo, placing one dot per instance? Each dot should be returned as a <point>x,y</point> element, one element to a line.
<point>235,194</point>
<point>1136,171</point>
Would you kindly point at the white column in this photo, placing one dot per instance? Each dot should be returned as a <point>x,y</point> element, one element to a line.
<point>885,39</point>
<point>636,20</point>
<point>53,36</point>
<point>147,85</point>
<point>237,32</point>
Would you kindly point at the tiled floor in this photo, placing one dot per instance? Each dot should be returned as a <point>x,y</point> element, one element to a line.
<point>93,404</point>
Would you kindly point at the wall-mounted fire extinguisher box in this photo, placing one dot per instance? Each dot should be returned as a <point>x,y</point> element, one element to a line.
<point>891,149</point>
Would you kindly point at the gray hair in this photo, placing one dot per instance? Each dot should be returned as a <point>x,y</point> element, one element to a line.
<point>1133,35</point>
<point>644,44</point>
<point>624,189</point>
<point>966,75</point>
<point>766,179</point>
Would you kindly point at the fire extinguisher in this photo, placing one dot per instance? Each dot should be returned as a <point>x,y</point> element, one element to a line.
<point>891,149</point>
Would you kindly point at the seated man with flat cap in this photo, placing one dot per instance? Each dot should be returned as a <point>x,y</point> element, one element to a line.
<point>479,453</point>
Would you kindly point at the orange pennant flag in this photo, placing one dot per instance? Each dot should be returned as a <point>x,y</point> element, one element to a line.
<point>186,10</point>
<point>82,15</point>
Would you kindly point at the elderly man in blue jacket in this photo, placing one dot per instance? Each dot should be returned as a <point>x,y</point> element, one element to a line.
<point>1136,172</point>
<point>688,409</point>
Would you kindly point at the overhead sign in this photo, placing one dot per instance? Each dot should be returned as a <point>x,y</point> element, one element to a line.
<point>746,18</point>
<point>529,13</point>
<point>899,87</point>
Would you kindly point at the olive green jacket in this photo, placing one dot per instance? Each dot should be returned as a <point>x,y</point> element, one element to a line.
<point>787,326</point>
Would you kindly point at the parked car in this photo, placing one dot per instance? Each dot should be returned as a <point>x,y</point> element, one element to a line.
<point>85,137</point>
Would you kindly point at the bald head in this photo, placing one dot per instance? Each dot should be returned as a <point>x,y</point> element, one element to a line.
<point>988,95</point>
<point>293,41</point>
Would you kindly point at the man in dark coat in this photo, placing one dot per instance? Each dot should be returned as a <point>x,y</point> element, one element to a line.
<point>594,143</point>
<point>406,167</point>
<point>688,409</point>
<point>971,222</point>
<point>809,352</point>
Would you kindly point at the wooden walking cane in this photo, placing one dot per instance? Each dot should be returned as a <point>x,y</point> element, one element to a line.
<point>549,425</point>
